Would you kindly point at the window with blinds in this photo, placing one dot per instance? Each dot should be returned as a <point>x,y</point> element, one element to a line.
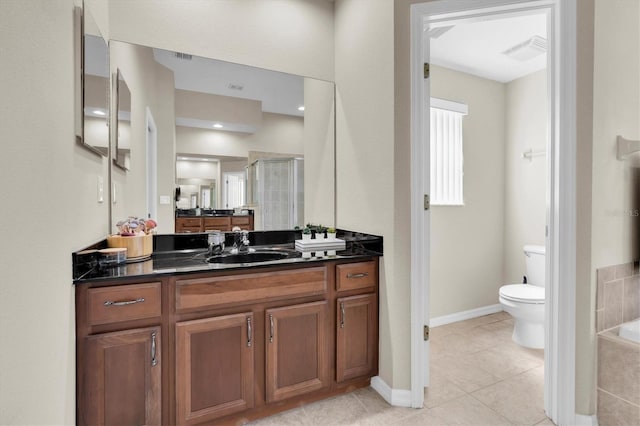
<point>446,152</point>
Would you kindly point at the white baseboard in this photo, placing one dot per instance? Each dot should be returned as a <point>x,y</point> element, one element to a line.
<point>582,420</point>
<point>465,315</point>
<point>395,397</point>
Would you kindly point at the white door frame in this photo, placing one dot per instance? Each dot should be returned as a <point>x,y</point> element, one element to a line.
<point>561,205</point>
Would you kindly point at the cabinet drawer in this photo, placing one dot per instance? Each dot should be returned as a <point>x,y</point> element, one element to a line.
<point>188,229</point>
<point>123,303</point>
<point>219,223</point>
<point>248,288</point>
<point>241,220</point>
<point>352,276</point>
<point>189,221</point>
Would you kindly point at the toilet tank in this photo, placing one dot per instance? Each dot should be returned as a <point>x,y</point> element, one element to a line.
<point>534,257</point>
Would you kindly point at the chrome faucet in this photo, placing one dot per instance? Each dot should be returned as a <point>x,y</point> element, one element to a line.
<point>241,241</point>
<point>216,243</point>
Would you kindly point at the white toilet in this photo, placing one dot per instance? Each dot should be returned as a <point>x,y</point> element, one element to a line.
<point>525,302</point>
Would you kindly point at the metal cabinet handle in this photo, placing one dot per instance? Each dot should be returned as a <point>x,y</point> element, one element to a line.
<point>271,328</point>
<point>154,360</point>
<point>125,303</point>
<point>341,314</point>
<point>361,275</point>
<point>249,332</point>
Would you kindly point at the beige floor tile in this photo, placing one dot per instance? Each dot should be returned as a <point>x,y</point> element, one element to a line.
<point>341,410</point>
<point>423,417</point>
<point>467,410</point>
<point>463,373</point>
<point>293,417</point>
<point>440,390</point>
<point>503,364</point>
<point>378,411</point>
<point>520,398</point>
<point>546,422</point>
<point>459,344</point>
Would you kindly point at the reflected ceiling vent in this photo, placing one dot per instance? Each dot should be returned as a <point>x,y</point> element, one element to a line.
<point>438,31</point>
<point>528,49</point>
<point>183,56</point>
<point>235,86</point>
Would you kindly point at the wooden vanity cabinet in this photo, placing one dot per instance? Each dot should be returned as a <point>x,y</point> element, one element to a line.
<point>213,223</point>
<point>119,354</point>
<point>224,347</point>
<point>297,358</point>
<point>356,336</point>
<point>214,367</point>
<point>188,224</point>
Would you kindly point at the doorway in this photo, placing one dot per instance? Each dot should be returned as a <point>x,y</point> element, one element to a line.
<point>234,190</point>
<point>560,243</point>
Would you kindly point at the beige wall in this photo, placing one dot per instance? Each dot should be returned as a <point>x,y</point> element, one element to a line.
<point>608,189</point>
<point>278,133</point>
<point>283,35</point>
<point>525,181</point>
<point>152,88</point>
<point>366,194</point>
<point>51,184</point>
<point>467,241</point>
<point>319,152</point>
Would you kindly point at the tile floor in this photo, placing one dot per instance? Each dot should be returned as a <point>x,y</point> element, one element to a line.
<point>478,377</point>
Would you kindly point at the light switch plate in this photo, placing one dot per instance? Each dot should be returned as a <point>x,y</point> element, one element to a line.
<point>100,189</point>
<point>165,199</point>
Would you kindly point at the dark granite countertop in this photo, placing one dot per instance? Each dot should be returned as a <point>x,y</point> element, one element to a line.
<point>187,253</point>
<point>210,213</point>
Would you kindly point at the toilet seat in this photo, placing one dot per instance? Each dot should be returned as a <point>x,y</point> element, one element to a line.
<point>523,293</point>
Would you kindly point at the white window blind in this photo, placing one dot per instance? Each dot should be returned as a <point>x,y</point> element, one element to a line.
<point>446,152</point>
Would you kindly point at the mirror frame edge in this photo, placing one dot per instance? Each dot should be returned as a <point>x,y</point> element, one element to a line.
<point>80,57</point>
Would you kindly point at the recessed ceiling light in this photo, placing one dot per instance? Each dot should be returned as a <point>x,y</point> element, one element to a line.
<point>218,126</point>
<point>99,112</point>
<point>301,108</point>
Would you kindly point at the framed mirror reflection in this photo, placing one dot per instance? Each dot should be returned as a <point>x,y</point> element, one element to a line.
<point>92,130</point>
<point>213,122</point>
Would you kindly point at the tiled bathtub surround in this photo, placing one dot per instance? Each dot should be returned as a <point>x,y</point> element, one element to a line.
<point>617,302</point>
<point>618,380</point>
<point>618,295</point>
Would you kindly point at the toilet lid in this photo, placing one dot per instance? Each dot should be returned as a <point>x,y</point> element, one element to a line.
<point>524,293</point>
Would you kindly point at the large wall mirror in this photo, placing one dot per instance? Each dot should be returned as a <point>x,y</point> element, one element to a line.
<point>92,129</point>
<point>211,134</point>
<point>122,151</point>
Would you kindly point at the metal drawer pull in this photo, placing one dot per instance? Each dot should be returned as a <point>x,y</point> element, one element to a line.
<point>341,314</point>
<point>125,303</point>
<point>361,275</point>
<point>249,332</point>
<point>154,361</point>
<point>271,329</point>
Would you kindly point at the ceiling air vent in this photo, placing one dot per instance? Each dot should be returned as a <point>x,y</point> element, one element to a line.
<point>528,49</point>
<point>233,86</point>
<point>184,56</point>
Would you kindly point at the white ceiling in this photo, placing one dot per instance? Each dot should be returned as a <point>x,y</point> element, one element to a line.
<point>476,47</point>
<point>280,93</point>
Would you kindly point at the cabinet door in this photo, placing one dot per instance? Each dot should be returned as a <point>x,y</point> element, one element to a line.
<point>296,350</point>
<point>356,336</point>
<point>122,380</point>
<point>214,367</point>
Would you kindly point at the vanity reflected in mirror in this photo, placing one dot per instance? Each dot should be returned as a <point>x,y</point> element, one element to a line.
<point>229,136</point>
